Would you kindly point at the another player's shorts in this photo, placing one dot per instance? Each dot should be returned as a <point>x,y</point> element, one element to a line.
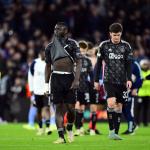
<point>60,89</point>
<point>41,101</point>
<point>118,91</point>
<point>83,97</point>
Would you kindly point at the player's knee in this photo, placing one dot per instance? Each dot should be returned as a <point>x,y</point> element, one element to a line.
<point>45,113</point>
<point>118,109</point>
<point>110,109</point>
<point>79,110</point>
<point>93,108</point>
<point>111,104</point>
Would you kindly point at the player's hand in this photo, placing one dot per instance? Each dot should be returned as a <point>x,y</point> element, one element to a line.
<point>46,93</point>
<point>129,85</point>
<point>134,92</point>
<point>75,84</point>
<point>96,85</point>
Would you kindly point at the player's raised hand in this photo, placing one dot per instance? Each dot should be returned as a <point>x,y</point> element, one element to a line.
<point>96,86</point>
<point>129,84</point>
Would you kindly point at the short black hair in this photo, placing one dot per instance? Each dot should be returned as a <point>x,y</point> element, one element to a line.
<point>115,28</point>
<point>62,24</point>
<point>90,45</point>
<point>83,44</point>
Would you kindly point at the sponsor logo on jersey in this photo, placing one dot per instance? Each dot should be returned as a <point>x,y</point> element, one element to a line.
<point>115,56</point>
<point>122,49</point>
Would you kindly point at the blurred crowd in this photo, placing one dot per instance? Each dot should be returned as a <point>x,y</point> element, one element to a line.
<point>27,25</point>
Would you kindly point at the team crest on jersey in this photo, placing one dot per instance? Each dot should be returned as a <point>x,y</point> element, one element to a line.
<point>122,49</point>
<point>110,50</point>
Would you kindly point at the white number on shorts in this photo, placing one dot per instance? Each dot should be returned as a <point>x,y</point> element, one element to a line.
<point>125,94</point>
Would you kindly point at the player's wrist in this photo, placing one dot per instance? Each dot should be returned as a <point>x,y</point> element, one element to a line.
<point>46,87</point>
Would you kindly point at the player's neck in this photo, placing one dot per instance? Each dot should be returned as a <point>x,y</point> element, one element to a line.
<point>115,42</point>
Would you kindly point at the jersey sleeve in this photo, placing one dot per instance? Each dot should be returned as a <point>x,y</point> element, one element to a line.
<point>98,66</point>
<point>77,53</point>
<point>100,52</point>
<point>90,70</point>
<point>129,59</point>
<point>136,73</point>
<point>129,52</point>
<point>31,68</point>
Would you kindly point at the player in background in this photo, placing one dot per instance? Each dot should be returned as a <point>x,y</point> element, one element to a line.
<point>83,97</point>
<point>36,81</point>
<point>128,108</point>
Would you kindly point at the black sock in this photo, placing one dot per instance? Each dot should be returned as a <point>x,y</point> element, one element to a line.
<point>110,116</point>
<point>78,120</point>
<point>69,126</point>
<point>81,119</point>
<point>61,132</point>
<point>40,124</point>
<point>94,120</point>
<point>117,121</point>
<point>47,123</point>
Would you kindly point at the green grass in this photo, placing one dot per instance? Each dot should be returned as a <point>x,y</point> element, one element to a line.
<point>14,137</point>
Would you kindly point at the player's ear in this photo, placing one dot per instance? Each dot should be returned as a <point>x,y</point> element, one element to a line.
<point>110,34</point>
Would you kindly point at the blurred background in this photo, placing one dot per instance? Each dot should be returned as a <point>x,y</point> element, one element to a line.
<point>27,25</point>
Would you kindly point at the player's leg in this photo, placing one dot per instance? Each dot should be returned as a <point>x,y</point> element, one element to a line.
<point>79,120</point>
<point>117,117</point>
<point>60,123</point>
<point>111,102</point>
<point>39,105</point>
<point>93,119</point>
<point>79,117</point>
<point>46,117</point>
<point>113,112</point>
<point>128,111</point>
<point>71,119</point>
<point>94,100</point>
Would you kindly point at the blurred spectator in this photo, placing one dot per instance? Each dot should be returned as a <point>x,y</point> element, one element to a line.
<point>16,91</point>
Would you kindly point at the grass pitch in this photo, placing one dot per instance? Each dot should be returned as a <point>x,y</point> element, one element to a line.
<point>14,137</point>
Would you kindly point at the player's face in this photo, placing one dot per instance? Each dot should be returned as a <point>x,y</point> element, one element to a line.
<point>83,51</point>
<point>115,37</point>
<point>60,30</point>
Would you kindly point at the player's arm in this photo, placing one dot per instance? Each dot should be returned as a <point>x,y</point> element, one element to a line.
<point>78,62</point>
<point>98,67</point>
<point>136,78</point>
<point>91,72</point>
<point>128,63</point>
<point>47,69</point>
